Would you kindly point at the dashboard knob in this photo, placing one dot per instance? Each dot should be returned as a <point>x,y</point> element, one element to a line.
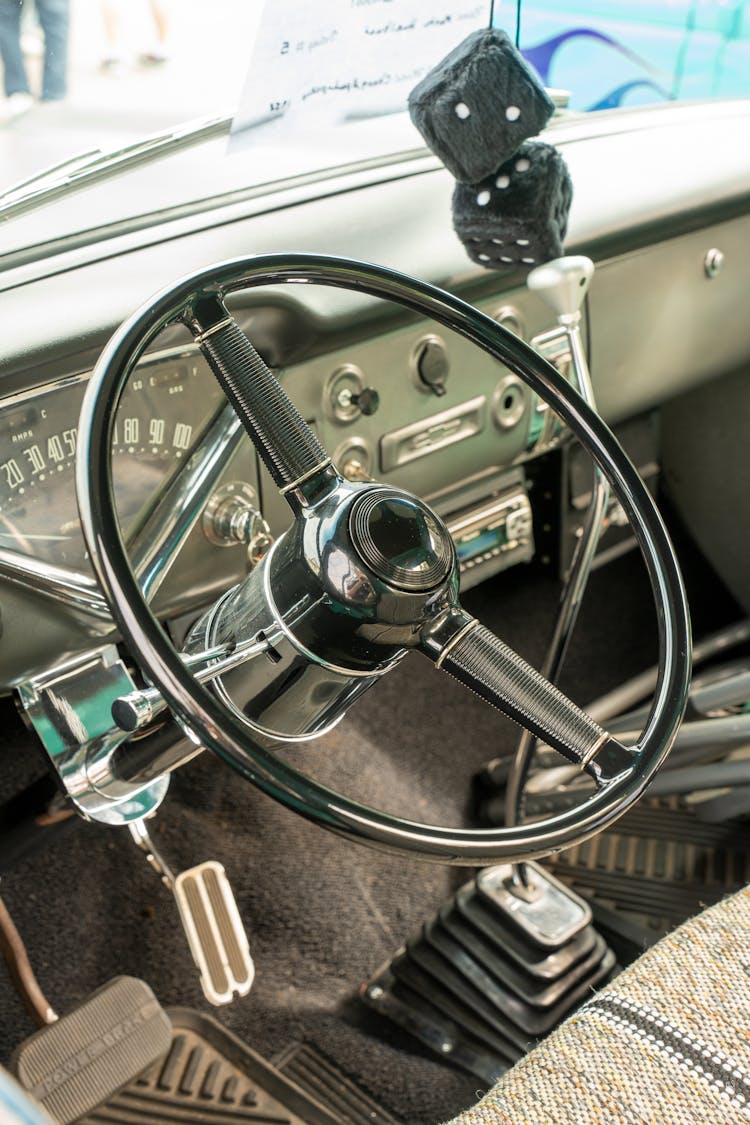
<point>432,366</point>
<point>365,401</point>
<point>368,400</point>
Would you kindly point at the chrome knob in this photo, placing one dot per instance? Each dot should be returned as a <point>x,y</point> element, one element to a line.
<point>562,284</point>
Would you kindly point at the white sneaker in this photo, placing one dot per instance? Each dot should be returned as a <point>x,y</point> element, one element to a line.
<point>111,64</point>
<point>16,105</point>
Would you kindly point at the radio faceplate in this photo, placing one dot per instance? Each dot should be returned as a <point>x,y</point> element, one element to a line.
<point>491,525</point>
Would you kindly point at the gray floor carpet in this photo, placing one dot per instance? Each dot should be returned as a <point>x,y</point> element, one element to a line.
<point>322,913</point>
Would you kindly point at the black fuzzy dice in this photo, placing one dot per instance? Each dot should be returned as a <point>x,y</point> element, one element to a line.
<point>478,105</point>
<point>518,216</point>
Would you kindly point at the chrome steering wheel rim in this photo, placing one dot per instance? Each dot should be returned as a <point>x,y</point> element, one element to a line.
<point>200,713</point>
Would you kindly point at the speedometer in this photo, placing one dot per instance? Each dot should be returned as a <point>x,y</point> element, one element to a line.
<point>165,408</point>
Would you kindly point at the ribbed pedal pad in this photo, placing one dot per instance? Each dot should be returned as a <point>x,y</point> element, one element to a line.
<point>321,1078</point>
<point>210,1077</point>
<point>215,932</point>
<point>479,985</point>
<point>81,1060</point>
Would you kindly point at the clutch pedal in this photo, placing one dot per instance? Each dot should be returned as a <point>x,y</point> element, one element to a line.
<point>210,919</point>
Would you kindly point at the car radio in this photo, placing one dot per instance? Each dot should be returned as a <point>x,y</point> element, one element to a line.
<point>492,534</point>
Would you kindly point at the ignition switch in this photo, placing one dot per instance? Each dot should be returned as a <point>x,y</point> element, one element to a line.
<point>431,365</point>
<point>232,516</point>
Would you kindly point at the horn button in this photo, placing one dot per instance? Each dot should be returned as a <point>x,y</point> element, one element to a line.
<point>401,540</point>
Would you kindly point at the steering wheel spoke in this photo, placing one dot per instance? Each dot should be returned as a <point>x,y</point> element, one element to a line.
<point>286,444</point>
<point>470,652</point>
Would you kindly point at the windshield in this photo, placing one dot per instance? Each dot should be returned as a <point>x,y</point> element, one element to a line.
<point>87,75</point>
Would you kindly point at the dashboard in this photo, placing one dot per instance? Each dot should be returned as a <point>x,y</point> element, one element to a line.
<point>389,395</point>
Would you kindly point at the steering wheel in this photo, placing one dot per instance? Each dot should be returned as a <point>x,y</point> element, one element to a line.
<point>365,573</point>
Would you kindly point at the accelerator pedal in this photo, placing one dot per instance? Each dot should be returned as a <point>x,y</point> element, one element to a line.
<point>494,971</point>
<point>211,921</point>
<point>85,1057</point>
<point>215,932</point>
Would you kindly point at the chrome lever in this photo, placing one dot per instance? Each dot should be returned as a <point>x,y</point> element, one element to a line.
<point>562,284</point>
<point>134,711</point>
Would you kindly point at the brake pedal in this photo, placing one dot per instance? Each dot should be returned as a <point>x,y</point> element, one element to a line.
<point>211,921</point>
<point>73,1065</point>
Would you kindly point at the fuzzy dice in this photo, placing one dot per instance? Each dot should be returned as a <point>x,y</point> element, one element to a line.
<point>477,106</point>
<point>517,216</point>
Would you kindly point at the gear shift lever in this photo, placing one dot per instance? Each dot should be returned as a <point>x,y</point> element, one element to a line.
<point>562,284</point>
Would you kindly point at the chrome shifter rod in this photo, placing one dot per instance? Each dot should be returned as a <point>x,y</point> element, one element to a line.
<point>562,284</point>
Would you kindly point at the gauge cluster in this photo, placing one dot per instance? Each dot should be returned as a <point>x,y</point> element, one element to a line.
<point>169,406</point>
<point>163,412</point>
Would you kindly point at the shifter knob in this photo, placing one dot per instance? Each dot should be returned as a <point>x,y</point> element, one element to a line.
<point>562,284</point>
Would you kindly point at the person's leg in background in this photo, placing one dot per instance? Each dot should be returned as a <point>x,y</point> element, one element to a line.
<point>54,16</point>
<point>111,22</point>
<point>15,78</point>
<point>160,19</point>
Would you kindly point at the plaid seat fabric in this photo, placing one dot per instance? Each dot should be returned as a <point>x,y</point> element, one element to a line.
<point>667,1042</point>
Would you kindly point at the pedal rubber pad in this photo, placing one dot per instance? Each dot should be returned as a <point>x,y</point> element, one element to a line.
<point>82,1059</point>
<point>215,932</point>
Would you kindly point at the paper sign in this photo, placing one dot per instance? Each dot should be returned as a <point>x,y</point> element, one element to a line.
<point>338,60</point>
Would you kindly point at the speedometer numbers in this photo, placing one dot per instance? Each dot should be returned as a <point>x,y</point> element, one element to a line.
<point>162,414</point>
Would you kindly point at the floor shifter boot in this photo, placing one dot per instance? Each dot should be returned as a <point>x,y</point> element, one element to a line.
<point>73,1065</point>
<point>495,970</point>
